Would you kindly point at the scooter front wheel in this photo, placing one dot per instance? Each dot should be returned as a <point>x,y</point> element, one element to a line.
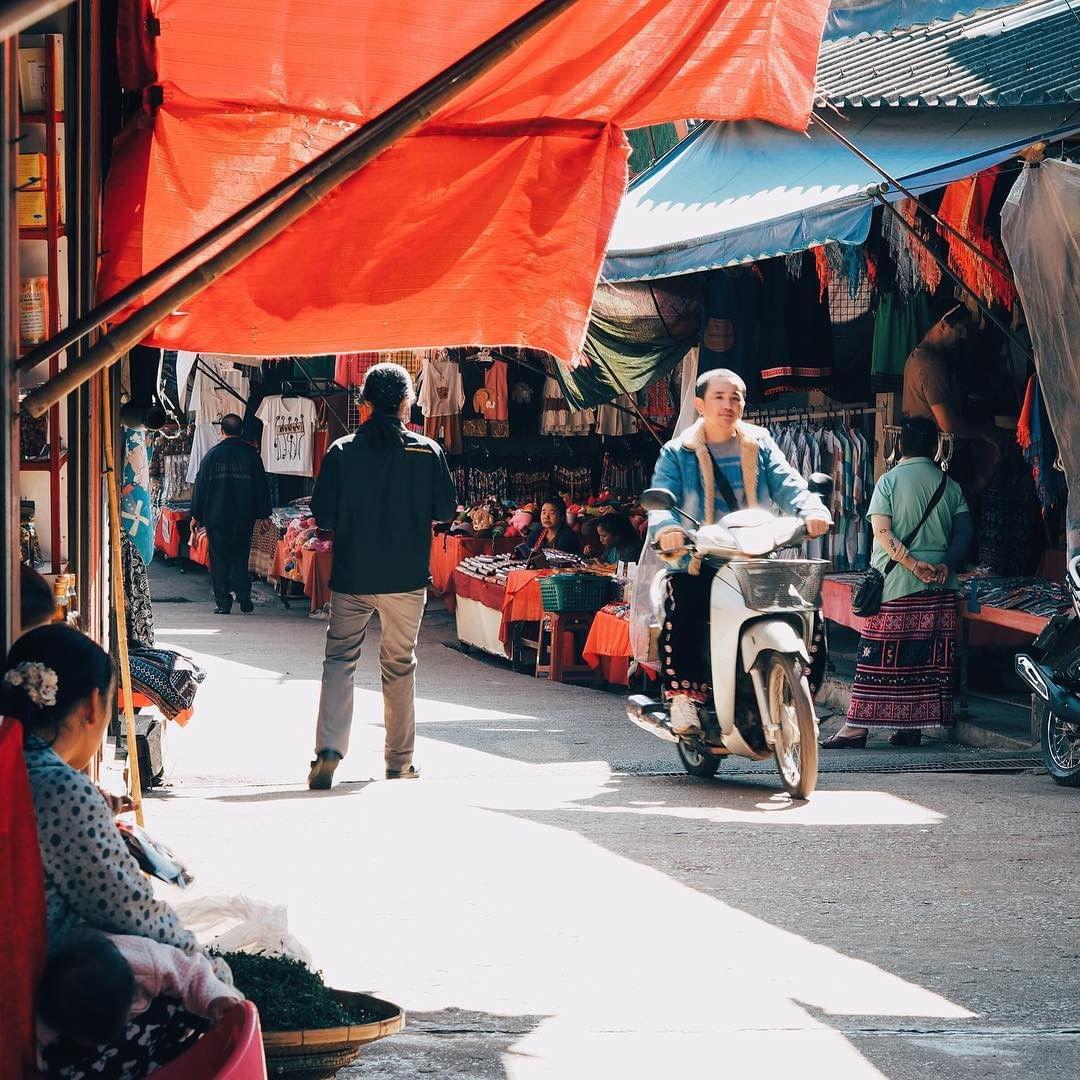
<point>1060,744</point>
<point>697,763</point>
<point>792,709</point>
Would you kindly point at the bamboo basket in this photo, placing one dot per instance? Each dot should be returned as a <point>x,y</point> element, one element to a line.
<point>318,1053</point>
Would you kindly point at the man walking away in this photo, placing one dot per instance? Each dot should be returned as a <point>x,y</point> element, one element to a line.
<point>379,490</point>
<point>231,494</point>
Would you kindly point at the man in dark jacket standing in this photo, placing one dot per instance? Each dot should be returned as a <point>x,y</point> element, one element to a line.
<point>379,490</point>
<point>231,494</point>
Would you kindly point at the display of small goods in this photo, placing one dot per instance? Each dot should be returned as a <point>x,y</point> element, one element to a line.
<point>33,310</point>
<point>302,534</point>
<point>30,189</point>
<point>34,72</point>
<point>65,596</point>
<point>29,545</point>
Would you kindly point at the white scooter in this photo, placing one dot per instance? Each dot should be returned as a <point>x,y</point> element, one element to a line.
<point>761,626</point>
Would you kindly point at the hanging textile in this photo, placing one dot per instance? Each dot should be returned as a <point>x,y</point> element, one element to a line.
<point>637,333</point>
<point>140,609</point>
<point>507,196</point>
<point>965,206</point>
<point>1036,439</point>
<point>914,267</point>
<point>1040,227</point>
<point>136,515</point>
<point>899,326</point>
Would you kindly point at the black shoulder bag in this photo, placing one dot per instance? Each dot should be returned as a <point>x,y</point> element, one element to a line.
<point>866,596</point>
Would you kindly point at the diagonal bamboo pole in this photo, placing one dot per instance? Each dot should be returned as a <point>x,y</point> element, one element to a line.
<point>373,139</point>
<point>116,582</point>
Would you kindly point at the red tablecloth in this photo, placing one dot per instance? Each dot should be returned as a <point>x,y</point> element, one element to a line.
<point>167,531</point>
<point>313,568</point>
<point>447,552</point>
<point>489,593</point>
<point>521,600</point>
<point>607,648</point>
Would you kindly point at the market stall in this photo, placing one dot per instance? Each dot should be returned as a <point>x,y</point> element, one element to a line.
<point>447,553</point>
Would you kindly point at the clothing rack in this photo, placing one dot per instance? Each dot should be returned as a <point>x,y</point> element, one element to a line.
<point>782,415</point>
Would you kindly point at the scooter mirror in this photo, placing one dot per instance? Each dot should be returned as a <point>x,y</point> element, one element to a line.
<point>820,484</point>
<point>657,499</point>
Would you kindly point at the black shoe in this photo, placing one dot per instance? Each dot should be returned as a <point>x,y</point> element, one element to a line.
<point>246,606</point>
<point>845,742</point>
<point>223,608</point>
<point>411,773</point>
<point>906,737</point>
<point>321,775</point>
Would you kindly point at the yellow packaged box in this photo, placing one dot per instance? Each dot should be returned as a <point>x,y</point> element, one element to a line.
<point>30,197</point>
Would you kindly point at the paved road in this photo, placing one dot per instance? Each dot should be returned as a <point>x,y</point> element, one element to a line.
<point>553,900</point>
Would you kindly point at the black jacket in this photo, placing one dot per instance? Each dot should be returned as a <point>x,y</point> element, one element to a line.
<point>380,501</point>
<point>231,491</point>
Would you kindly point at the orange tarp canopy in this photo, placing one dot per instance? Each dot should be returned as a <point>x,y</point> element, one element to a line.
<point>488,225</point>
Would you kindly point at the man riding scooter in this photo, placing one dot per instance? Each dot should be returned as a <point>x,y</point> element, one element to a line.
<point>718,465</point>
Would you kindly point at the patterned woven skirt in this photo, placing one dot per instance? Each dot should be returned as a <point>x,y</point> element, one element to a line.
<point>907,654</point>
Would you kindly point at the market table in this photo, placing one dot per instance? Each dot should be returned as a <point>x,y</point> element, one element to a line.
<point>313,569</point>
<point>168,533</point>
<point>984,627</point>
<point>448,552</point>
<point>478,612</point>
<point>521,601</point>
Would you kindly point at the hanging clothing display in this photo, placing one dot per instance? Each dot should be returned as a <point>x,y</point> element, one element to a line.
<point>1036,439</point>
<point>914,268</point>
<point>206,437</point>
<point>965,207</point>
<point>445,430</point>
<point>559,418</point>
<point>794,337</point>
<point>497,402</point>
<point>140,609</point>
<point>136,514</point>
<point>210,401</point>
<point>441,390</point>
<point>617,417</point>
<point>899,326</point>
<point>731,314</point>
<point>288,438</point>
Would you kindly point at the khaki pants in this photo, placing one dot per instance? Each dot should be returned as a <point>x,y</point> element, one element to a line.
<point>350,615</point>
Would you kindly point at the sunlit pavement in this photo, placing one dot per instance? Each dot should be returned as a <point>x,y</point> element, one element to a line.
<point>541,913</point>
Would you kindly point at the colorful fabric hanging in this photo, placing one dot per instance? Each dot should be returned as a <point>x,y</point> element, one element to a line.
<point>965,207</point>
<point>915,267</point>
<point>1036,439</point>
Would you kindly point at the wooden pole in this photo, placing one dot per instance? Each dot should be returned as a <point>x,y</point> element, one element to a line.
<point>373,139</point>
<point>116,582</point>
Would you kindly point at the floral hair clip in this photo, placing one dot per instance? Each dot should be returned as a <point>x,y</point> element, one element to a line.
<point>38,681</point>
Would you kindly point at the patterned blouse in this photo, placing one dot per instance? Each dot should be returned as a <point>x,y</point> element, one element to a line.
<point>90,876</point>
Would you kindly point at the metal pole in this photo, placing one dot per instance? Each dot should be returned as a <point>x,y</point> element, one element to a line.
<point>116,576</point>
<point>910,195</point>
<point>363,146</point>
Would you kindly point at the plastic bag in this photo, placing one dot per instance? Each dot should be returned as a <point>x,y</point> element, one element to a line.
<point>257,927</point>
<point>646,591</point>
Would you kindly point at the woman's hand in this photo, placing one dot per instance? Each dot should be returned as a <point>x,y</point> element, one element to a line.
<point>816,527</point>
<point>220,1006</point>
<point>930,573</point>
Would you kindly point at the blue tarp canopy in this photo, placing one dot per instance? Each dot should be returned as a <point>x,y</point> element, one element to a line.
<point>737,192</point>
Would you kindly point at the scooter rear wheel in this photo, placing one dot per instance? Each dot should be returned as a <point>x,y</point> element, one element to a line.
<point>791,705</point>
<point>697,763</point>
<point>1060,744</point>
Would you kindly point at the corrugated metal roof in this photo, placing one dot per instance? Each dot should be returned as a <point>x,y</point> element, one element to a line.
<point>1027,54</point>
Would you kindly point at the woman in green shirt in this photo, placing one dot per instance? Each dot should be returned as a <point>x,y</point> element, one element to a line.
<point>904,672</point>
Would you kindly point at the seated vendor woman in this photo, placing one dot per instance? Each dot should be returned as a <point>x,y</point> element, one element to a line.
<point>59,685</point>
<point>619,539</point>
<point>717,465</point>
<point>553,532</point>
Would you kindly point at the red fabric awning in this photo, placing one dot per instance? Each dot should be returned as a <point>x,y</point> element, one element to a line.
<point>487,226</point>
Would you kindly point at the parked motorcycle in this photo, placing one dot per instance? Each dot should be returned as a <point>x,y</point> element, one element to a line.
<point>761,625</point>
<point>1051,667</point>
